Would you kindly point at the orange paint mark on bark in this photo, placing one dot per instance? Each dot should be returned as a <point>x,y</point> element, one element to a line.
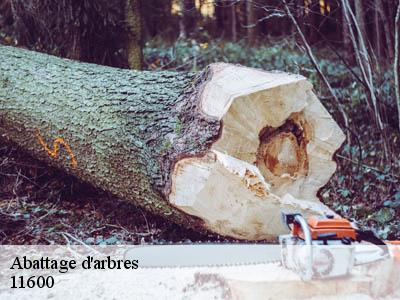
<point>56,147</point>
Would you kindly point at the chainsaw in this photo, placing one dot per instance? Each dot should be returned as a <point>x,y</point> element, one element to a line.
<point>316,248</point>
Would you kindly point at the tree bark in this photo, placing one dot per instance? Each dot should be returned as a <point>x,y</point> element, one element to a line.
<point>251,22</point>
<point>158,13</point>
<point>223,150</point>
<point>346,38</point>
<point>187,17</point>
<point>396,61</point>
<point>232,21</point>
<point>313,22</point>
<point>219,16</point>
<point>182,27</point>
<point>377,36</point>
<point>118,129</point>
<point>360,16</point>
<point>133,11</point>
<point>387,31</point>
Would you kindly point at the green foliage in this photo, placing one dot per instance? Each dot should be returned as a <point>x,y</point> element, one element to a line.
<point>344,192</point>
<point>178,127</point>
<point>193,55</point>
<point>394,202</point>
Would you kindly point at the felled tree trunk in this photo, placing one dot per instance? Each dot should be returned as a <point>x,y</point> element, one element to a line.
<point>134,23</point>
<point>223,150</point>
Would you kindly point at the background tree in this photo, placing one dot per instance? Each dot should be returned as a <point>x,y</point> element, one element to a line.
<point>346,37</point>
<point>384,26</point>
<point>84,30</point>
<point>187,17</point>
<point>232,17</point>
<point>360,17</point>
<point>227,18</point>
<point>251,22</point>
<point>134,23</point>
<point>157,13</point>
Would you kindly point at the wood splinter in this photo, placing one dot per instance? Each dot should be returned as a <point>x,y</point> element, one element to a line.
<point>277,135</point>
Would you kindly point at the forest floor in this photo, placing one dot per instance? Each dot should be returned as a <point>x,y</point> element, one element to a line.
<point>41,205</point>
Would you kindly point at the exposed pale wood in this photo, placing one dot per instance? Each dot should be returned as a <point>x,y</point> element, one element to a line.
<point>274,153</point>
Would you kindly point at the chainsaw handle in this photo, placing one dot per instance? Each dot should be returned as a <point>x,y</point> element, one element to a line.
<point>308,274</point>
<point>290,219</point>
<point>304,227</point>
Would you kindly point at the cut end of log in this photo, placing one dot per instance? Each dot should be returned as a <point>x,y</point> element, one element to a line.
<point>274,153</point>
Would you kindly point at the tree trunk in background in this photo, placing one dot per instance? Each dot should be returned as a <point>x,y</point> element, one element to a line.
<point>386,26</point>
<point>90,31</point>
<point>346,39</point>
<point>232,21</point>
<point>251,22</point>
<point>6,18</point>
<point>22,25</point>
<point>156,14</point>
<point>308,20</point>
<point>182,27</point>
<point>396,60</point>
<point>299,14</point>
<point>313,23</point>
<point>219,15</point>
<point>190,15</point>
<point>226,20</point>
<point>156,138</point>
<point>134,24</point>
<point>390,6</point>
<point>378,37</point>
<point>187,17</point>
<point>360,16</point>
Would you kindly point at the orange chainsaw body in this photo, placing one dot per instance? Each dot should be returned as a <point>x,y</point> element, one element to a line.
<point>322,227</point>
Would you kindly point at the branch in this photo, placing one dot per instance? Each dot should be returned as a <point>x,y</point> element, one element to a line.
<point>365,67</point>
<point>396,60</point>
<point>316,65</point>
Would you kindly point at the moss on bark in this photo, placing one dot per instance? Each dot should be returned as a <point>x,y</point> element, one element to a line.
<point>120,130</point>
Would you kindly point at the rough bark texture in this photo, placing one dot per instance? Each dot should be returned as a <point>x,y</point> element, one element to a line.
<point>251,22</point>
<point>232,21</point>
<point>387,30</point>
<point>346,37</point>
<point>396,61</point>
<point>120,130</point>
<point>360,16</point>
<point>135,33</point>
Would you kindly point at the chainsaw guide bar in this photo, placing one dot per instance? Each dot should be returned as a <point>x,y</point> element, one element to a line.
<point>204,255</point>
<point>316,248</point>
